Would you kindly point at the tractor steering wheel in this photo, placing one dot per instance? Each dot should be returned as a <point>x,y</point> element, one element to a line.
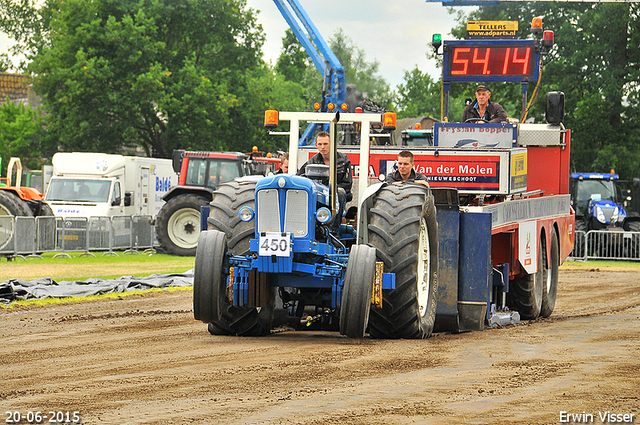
<point>475,120</point>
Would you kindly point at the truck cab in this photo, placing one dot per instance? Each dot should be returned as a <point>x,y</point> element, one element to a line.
<point>86,184</point>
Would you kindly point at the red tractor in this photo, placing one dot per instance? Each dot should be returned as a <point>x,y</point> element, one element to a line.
<point>178,222</point>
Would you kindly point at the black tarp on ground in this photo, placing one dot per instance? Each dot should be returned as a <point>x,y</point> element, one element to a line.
<point>17,289</point>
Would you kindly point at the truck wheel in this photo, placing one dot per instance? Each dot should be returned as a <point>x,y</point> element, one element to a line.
<point>227,200</point>
<point>210,277</point>
<point>526,292</point>
<point>403,230</point>
<point>357,291</point>
<point>550,277</point>
<point>178,224</point>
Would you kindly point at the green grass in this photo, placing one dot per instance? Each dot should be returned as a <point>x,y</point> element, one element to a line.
<point>601,264</point>
<point>109,296</point>
<point>84,267</point>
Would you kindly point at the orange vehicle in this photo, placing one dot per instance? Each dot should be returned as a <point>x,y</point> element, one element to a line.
<point>16,200</point>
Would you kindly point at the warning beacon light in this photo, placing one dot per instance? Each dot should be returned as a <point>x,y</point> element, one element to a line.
<point>536,25</point>
<point>389,121</point>
<point>547,39</point>
<point>270,118</point>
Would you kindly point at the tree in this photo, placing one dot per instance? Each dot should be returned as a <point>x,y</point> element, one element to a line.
<point>418,96</point>
<point>155,74</point>
<point>22,134</point>
<point>293,60</point>
<point>27,23</point>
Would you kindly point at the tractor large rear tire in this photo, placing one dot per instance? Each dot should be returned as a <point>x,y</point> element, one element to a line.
<point>551,266</point>
<point>526,292</point>
<point>178,224</point>
<point>358,288</point>
<point>227,200</point>
<point>11,205</point>
<point>403,230</point>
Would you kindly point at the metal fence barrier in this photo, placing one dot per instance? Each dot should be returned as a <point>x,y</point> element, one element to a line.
<point>606,245</point>
<point>32,236</point>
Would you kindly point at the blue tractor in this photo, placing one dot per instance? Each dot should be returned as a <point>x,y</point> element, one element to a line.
<point>598,204</point>
<point>270,248</point>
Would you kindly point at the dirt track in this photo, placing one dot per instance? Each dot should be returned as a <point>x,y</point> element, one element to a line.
<point>144,359</point>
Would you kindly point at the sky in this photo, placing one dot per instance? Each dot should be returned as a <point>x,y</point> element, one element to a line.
<point>397,33</point>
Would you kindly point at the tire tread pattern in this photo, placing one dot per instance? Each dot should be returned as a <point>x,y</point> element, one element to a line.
<point>394,231</point>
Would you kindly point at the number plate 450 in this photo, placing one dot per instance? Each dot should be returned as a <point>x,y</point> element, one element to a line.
<point>275,243</point>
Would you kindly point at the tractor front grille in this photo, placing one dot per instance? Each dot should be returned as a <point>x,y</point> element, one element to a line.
<point>268,209</point>
<point>296,220</point>
<point>608,213</point>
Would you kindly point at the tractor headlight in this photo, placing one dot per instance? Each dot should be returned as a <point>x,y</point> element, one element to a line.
<point>323,215</point>
<point>246,213</point>
<point>600,215</point>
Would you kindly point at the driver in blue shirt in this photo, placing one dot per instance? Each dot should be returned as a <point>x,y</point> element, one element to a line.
<point>482,110</point>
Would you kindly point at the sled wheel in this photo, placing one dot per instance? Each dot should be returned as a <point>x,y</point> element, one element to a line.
<point>551,265</point>
<point>210,277</point>
<point>526,292</point>
<point>357,291</point>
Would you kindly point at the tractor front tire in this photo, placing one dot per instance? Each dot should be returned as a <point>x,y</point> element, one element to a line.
<point>227,200</point>
<point>210,277</point>
<point>357,291</point>
<point>403,230</point>
<point>178,224</point>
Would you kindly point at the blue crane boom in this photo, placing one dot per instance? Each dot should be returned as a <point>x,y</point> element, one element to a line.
<point>334,84</point>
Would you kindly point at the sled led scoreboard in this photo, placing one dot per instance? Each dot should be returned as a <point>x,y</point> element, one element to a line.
<point>491,60</point>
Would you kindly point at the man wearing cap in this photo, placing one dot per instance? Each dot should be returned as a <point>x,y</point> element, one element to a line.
<point>482,110</point>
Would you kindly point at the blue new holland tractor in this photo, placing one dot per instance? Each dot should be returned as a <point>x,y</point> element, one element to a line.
<point>270,248</point>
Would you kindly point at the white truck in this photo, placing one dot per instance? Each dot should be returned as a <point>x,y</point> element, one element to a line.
<point>88,184</point>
